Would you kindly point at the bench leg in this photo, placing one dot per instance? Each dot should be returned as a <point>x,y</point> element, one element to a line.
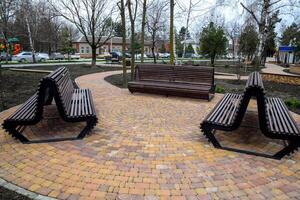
<point>290,148</point>
<point>17,134</point>
<point>210,136</point>
<point>90,123</point>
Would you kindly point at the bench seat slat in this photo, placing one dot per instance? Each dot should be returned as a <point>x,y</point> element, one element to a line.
<point>282,123</point>
<point>26,111</point>
<point>224,113</point>
<point>81,103</point>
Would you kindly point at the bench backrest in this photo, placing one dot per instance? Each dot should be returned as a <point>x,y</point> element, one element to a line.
<point>254,88</point>
<point>171,73</point>
<point>154,72</point>
<point>194,74</point>
<point>61,87</point>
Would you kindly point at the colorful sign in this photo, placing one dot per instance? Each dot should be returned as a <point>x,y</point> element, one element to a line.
<point>286,48</point>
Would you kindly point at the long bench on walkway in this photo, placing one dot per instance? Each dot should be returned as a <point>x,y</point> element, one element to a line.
<point>73,104</point>
<point>275,121</point>
<point>186,81</point>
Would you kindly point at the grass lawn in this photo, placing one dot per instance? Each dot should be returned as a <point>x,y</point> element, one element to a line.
<point>6,194</point>
<point>284,91</point>
<point>17,87</point>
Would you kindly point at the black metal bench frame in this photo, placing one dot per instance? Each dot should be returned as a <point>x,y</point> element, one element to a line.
<point>47,91</point>
<point>254,88</point>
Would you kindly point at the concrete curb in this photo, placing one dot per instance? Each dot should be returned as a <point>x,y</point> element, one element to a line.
<point>22,191</point>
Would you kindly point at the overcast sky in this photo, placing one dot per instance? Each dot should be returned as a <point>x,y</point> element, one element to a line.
<point>233,12</point>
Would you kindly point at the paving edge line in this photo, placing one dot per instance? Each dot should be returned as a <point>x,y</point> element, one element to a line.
<point>22,191</point>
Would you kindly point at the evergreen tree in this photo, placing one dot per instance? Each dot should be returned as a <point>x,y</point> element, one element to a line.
<point>248,41</point>
<point>190,49</point>
<point>117,29</point>
<point>291,36</point>
<point>213,41</point>
<point>67,43</point>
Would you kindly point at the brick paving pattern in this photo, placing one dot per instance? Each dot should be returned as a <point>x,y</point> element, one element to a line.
<point>146,147</point>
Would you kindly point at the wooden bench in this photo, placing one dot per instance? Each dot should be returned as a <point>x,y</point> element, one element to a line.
<point>186,81</point>
<point>73,104</point>
<point>275,120</point>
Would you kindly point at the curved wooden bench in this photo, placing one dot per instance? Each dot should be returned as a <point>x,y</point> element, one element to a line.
<point>74,105</point>
<point>186,81</point>
<point>275,120</point>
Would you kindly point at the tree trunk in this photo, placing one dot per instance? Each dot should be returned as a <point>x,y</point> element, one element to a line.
<point>172,56</point>
<point>30,39</point>
<point>94,56</point>
<point>153,54</point>
<point>186,29</point>
<point>233,43</point>
<point>132,51</point>
<point>212,60</point>
<point>143,30</point>
<point>132,16</point>
<point>123,21</point>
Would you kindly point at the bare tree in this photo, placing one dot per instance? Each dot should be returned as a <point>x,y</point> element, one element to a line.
<point>143,30</point>
<point>7,12</point>
<point>233,31</point>
<point>266,15</point>
<point>30,38</point>
<point>132,10</point>
<point>123,22</point>
<point>155,22</point>
<point>188,11</point>
<point>91,17</point>
<point>31,15</point>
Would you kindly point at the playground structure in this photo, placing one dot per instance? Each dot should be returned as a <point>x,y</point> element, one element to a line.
<point>12,44</point>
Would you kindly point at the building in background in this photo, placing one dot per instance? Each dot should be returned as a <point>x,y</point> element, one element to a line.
<point>113,44</point>
<point>286,54</point>
<point>233,50</point>
<point>194,44</point>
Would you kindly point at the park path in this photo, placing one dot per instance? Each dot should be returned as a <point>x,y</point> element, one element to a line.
<point>275,69</point>
<point>145,147</point>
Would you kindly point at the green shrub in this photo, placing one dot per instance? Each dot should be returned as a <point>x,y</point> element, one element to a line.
<point>293,103</point>
<point>226,66</point>
<point>220,89</point>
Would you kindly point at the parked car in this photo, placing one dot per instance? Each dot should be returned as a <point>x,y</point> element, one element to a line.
<point>42,57</point>
<point>26,56</point>
<point>115,54</point>
<point>139,56</point>
<point>164,55</point>
<point>103,55</point>
<point>57,56</point>
<point>3,56</point>
<point>75,56</point>
<point>119,54</point>
<point>23,57</point>
<point>72,56</point>
<point>127,55</point>
<point>191,55</point>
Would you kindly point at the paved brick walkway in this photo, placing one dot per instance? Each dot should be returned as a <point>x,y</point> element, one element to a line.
<point>275,69</point>
<point>145,147</point>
